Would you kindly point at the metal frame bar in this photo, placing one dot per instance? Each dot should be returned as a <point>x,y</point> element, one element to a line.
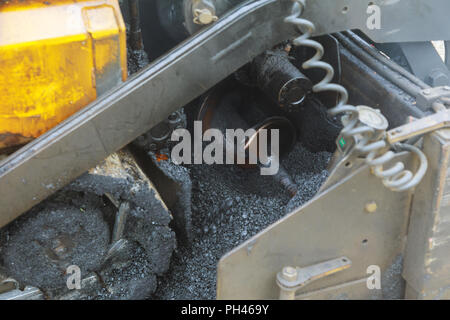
<point>114,120</point>
<point>59,156</point>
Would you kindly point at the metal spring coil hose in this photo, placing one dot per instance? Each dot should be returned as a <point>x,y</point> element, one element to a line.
<point>374,147</point>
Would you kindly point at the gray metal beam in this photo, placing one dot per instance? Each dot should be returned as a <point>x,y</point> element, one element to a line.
<point>82,141</point>
<point>62,154</point>
<point>400,20</point>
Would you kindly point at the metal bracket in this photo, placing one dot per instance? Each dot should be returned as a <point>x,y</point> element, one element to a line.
<point>399,21</point>
<point>426,63</point>
<point>419,127</point>
<point>303,239</point>
<point>117,118</point>
<point>395,21</point>
<point>427,97</point>
<point>291,279</point>
<point>114,120</point>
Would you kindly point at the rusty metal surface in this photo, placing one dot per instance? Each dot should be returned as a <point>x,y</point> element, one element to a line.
<point>12,141</point>
<point>427,257</point>
<point>329,226</point>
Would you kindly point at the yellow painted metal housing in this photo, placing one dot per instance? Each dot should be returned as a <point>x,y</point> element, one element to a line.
<point>55,58</point>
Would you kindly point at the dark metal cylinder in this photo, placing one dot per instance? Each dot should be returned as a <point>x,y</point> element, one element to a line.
<point>219,110</point>
<point>280,79</point>
<point>222,108</point>
<point>135,26</point>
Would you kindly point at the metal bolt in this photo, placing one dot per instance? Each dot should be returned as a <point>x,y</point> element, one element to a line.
<point>372,118</point>
<point>437,78</point>
<point>286,181</point>
<point>289,274</point>
<point>153,147</point>
<point>371,207</point>
<point>426,91</point>
<point>173,117</point>
<point>283,177</point>
<point>204,16</point>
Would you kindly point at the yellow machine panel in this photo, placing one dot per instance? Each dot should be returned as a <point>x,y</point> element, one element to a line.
<point>55,58</point>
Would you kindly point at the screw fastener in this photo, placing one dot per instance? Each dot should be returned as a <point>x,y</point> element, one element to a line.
<point>204,16</point>
<point>371,207</point>
<point>289,274</point>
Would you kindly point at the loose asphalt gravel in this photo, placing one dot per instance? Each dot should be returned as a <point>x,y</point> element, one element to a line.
<point>231,204</point>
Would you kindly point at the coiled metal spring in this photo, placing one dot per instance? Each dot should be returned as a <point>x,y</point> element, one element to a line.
<point>367,140</point>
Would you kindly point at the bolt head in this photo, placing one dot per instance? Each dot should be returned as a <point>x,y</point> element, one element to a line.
<point>437,78</point>
<point>371,207</point>
<point>289,273</point>
<point>372,118</point>
<point>204,16</point>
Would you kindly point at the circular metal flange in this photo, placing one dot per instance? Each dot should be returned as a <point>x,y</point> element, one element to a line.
<point>372,118</point>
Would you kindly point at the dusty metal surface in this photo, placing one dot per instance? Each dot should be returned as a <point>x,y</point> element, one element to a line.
<point>228,206</point>
<point>291,279</point>
<point>320,231</point>
<point>396,23</point>
<point>56,158</point>
<point>180,18</point>
<point>425,63</point>
<point>419,127</point>
<point>383,66</point>
<point>339,15</point>
<point>83,140</point>
<point>375,90</point>
<point>427,258</point>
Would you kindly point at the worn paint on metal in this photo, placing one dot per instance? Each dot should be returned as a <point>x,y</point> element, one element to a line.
<point>319,231</point>
<point>427,267</point>
<point>57,57</point>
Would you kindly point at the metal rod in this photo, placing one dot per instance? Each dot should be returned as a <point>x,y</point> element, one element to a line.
<point>136,42</point>
<point>379,67</point>
<point>391,64</point>
<point>62,154</point>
